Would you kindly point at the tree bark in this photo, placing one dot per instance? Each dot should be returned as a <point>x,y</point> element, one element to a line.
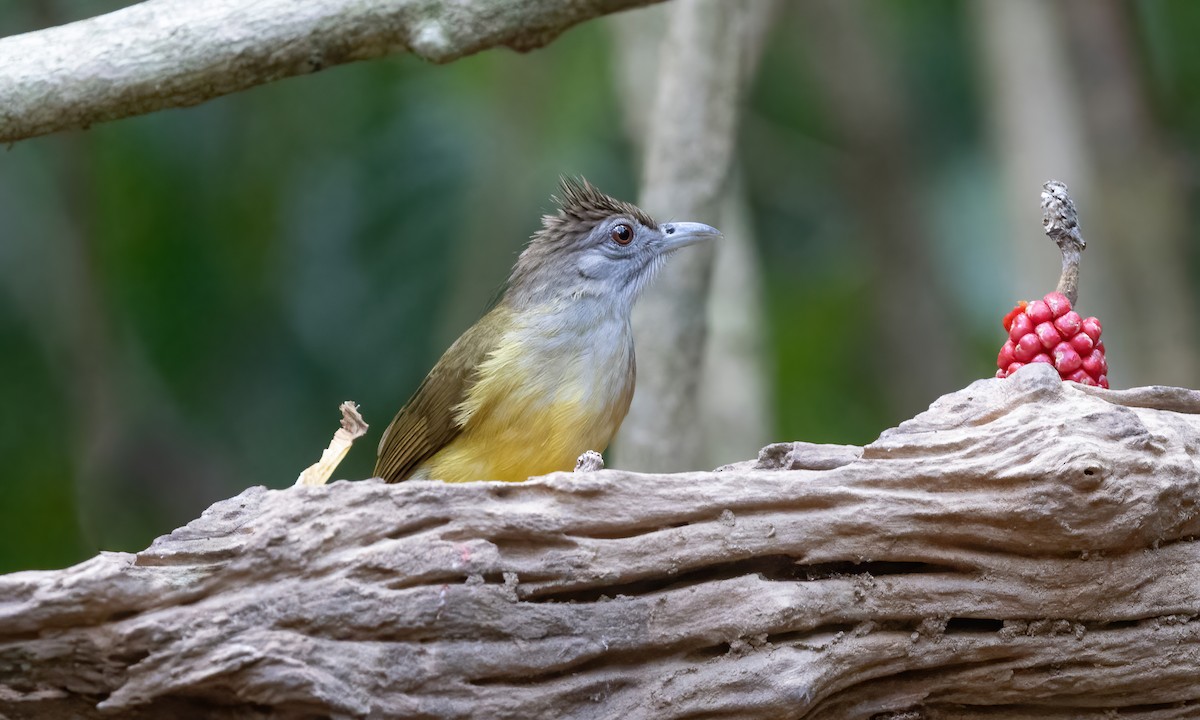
<point>175,53</point>
<point>1024,548</point>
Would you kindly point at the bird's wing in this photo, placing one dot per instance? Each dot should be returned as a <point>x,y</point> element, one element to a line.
<point>428,421</point>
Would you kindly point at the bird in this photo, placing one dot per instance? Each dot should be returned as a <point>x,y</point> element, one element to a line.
<point>548,372</point>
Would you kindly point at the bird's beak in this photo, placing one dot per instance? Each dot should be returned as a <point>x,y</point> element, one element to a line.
<point>682,234</point>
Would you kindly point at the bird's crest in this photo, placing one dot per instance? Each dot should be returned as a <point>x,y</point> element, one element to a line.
<point>580,202</point>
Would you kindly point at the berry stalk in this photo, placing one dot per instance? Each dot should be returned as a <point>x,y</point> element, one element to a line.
<point>1061,223</point>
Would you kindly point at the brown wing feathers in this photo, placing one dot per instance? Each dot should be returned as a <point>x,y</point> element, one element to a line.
<point>426,423</point>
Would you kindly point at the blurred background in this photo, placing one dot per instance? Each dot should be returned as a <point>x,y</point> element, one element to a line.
<point>186,297</point>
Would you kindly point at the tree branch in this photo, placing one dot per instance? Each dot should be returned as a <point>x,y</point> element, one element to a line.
<point>175,53</point>
<point>1025,548</point>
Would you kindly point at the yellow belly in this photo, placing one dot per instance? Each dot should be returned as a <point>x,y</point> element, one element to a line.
<point>547,442</point>
<point>531,414</point>
<point>540,442</point>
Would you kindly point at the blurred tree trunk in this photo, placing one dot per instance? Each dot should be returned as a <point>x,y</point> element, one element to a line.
<point>735,388</point>
<point>1088,123</point>
<point>854,66</point>
<point>1141,203</point>
<point>1034,120</point>
<point>686,121</point>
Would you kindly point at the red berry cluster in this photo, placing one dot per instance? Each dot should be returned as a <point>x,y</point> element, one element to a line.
<point>1049,331</point>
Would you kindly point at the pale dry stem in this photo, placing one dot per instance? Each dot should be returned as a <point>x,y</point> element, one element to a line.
<point>353,427</point>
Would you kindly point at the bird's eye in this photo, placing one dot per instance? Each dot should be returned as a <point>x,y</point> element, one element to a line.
<point>622,234</point>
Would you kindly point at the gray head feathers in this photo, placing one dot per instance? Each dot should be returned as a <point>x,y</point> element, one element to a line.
<point>581,206</point>
<point>595,247</point>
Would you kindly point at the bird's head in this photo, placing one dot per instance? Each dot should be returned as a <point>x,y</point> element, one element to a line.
<point>597,246</point>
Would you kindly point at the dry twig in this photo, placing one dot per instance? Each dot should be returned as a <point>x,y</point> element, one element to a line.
<point>353,427</point>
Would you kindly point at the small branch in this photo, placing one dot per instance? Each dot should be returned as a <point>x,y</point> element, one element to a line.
<point>1061,223</point>
<point>162,54</point>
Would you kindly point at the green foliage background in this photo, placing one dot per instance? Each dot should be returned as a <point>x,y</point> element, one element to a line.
<point>186,297</point>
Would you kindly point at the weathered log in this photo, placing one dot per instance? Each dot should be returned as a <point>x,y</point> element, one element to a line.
<point>1023,548</point>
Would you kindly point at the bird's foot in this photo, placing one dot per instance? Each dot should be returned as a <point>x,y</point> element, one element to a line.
<point>590,461</point>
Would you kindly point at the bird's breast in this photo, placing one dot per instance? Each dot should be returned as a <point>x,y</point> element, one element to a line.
<point>551,390</point>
